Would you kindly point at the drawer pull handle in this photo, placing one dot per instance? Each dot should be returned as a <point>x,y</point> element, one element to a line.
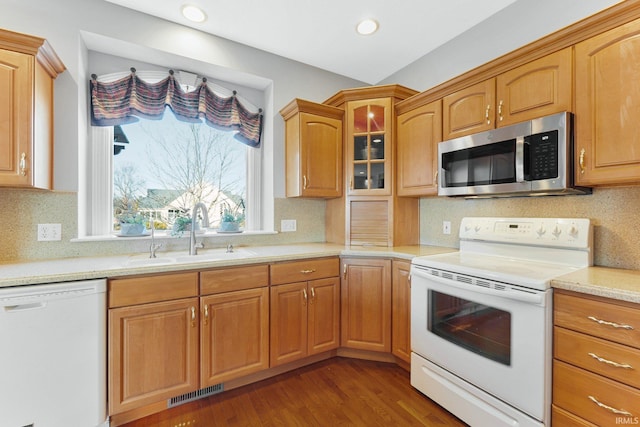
<point>304,294</point>
<point>615,325</point>
<point>193,316</point>
<point>609,408</point>
<point>486,114</point>
<point>581,161</point>
<point>313,295</point>
<point>23,164</point>
<point>206,314</point>
<point>610,362</point>
<point>308,271</point>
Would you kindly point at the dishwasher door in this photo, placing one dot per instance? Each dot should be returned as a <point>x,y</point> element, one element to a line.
<point>53,355</point>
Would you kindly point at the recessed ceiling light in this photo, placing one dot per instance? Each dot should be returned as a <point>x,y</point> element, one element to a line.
<point>367,26</point>
<point>193,13</point>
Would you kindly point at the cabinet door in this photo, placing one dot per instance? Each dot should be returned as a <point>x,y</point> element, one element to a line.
<point>469,110</point>
<point>153,353</point>
<point>235,335</point>
<point>366,304</point>
<point>538,88</point>
<point>401,311</point>
<point>320,156</point>
<point>607,107</point>
<point>368,146</point>
<point>418,134</point>
<point>16,117</point>
<point>324,315</point>
<point>288,322</point>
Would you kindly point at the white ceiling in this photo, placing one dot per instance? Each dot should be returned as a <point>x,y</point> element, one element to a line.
<point>322,33</point>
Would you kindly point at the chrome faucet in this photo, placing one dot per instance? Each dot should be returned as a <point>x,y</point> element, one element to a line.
<point>193,246</point>
<point>153,247</point>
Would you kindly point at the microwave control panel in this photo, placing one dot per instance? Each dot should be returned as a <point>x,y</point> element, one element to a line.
<point>543,155</point>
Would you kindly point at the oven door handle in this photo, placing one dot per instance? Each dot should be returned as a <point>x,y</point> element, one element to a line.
<point>509,293</point>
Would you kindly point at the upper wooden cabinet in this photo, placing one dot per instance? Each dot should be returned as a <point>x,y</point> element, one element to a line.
<point>538,88</point>
<point>313,149</point>
<point>368,146</point>
<point>418,132</point>
<point>28,66</point>
<point>607,107</point>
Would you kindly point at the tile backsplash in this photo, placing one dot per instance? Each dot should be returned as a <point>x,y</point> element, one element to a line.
<point>615,214</point>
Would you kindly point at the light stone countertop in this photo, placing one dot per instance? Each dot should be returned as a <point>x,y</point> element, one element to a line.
<point>606,282</point>
<point>84,268</point>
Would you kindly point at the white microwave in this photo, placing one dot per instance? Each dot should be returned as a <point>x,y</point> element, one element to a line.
<point>529,158</point>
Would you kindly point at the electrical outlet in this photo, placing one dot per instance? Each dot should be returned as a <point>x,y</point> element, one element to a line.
<point>288,225</point>
<point>49,232</point>
<point>446,227</point>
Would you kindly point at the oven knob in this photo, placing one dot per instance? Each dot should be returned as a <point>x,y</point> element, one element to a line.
<point>477,228</point>
<point>556,231</point>
<point>541,231</point>
<point>573,231</point>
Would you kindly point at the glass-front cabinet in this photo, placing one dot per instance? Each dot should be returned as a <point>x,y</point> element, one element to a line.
<point>369,146</point>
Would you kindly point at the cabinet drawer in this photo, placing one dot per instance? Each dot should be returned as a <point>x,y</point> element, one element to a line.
<point>577,391</point>
<point>300,271</point>
<point>611,360</point>
<point>141,290</point>
<point>233,279</point>
<point>604,319</point>
<point>560,417</point>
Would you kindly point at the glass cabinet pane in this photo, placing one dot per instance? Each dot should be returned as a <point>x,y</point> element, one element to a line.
<point>377,175</point>
<point>377,147</point>
<point>360,177</point>
<point>376,118</point>
<point>360,147</point>
<point>360,119</point>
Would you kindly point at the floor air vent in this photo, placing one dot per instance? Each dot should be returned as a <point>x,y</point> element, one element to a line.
<point>195,395</point>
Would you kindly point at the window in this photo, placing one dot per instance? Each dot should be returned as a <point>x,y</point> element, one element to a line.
<point>160,169</point>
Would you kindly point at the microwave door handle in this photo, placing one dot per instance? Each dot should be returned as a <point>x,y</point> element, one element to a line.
<point>520,159</point>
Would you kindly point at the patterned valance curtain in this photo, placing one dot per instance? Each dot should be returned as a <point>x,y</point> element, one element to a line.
<point>128,99</point>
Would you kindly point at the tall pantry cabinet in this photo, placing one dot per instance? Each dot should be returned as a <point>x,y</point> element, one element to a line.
<point>28,67</point>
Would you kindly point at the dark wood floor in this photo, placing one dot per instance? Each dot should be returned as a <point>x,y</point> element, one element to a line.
<point>335,392</point>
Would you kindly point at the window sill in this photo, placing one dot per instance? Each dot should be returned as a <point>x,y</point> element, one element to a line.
<point>159,235</point>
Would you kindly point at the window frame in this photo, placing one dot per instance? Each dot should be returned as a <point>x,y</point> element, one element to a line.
<point>98,211</point>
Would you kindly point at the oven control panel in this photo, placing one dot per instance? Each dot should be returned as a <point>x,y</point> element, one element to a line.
<point>560,232</point>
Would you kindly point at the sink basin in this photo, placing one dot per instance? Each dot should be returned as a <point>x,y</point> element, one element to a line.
<point>216,255</point>
<point>142,261</point>
<point>203,256</point>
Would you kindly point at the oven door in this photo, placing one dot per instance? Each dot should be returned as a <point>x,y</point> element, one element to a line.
<point>495,338</point>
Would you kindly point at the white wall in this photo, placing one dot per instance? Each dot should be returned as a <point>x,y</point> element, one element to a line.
<point>513,27</point>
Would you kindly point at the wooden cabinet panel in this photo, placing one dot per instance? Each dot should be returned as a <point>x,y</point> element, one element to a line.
<point>401,310</point>
<point>313,149</point>
<point>288,322</point>
<point>324,315</point>
<point>153,353</point>
<point>539,88</point>
<point>301,271</point>
<point>608,107</point>
<point>417,137</point>
<point>144,289</point>
<point>602,357</point>
<point>235,335</point>
<point>469,110</point>
<point>366,304</point>
<point>604,319</point>
<point>370,222</point>
<point>233,279</point>
<point>591,396</point>
<point>28,66</point>
<point>562,418</point>
<point>305,315</point>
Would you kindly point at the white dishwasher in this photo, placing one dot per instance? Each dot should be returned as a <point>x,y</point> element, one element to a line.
<point>53,355</point>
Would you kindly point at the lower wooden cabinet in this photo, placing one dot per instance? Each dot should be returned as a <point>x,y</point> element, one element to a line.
<point>235,335</point>
<point>401,310</point>
<point>305,315</point>
<point>366,304</point>
<point>596,355</point>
